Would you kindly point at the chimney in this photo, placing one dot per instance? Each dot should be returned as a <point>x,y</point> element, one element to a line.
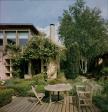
<point>52,32</point>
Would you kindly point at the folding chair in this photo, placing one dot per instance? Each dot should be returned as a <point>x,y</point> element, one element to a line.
<point>84,95</point>
<point>39,96</point>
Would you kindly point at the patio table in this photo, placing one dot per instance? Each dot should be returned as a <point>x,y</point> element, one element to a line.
<point>58,88</point>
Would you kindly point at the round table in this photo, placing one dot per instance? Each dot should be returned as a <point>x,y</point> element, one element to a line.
<point>58,88</point>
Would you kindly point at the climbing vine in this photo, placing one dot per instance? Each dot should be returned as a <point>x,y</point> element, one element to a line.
<point>38,47</point>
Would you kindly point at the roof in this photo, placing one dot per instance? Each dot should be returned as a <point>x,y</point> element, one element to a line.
<point>4,26</point>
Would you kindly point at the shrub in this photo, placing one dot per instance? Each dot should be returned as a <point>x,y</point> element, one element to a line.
<point>21,89</point>
<point>5,96</point>
<point>20,86</point>
<point>40,88</point>
<point>101,102</point>
<point>105,70</point>
<point>56,81</point>
<point>105,91</point>
<point>39,79</point>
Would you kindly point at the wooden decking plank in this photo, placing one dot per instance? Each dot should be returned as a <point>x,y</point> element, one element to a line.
<point>14,106</point>
<point>40,108</point>
<point>55,107</point>
<point>83,109</point>
<point>45,107</point>
<point>31,106</point>
<point>95,108</point>
<point>75,109</point>
<point>59,107</point>
<point>22,104</point>
<point>26,107</point>
<point>48,108</point>
<point>17,107</point>
<point>88,109</point>
<point>70,104</point>
<point>14,102</point>
<point>67,104</point>
<point>91,109</point>
<point>63,108</point>
<point>22,108</point>
<point>51,107</point>
<point>37,107</point>
<point>34,107</point>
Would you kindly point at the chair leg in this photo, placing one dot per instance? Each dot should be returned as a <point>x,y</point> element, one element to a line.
<point>78,105</point>
<point>39,101</point>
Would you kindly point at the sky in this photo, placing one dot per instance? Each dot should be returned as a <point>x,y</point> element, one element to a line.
<point>42,13</point>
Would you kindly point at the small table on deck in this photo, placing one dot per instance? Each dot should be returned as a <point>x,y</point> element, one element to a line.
<point>59,88</point>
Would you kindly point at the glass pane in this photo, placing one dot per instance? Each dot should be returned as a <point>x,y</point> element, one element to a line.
<point>1,38</point>
<point>11,37</point>
<point>23,37</point>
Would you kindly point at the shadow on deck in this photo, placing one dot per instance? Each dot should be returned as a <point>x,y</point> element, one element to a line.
<point>24,104</point>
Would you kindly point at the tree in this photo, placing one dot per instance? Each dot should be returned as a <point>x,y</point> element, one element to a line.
<point>85,28</point>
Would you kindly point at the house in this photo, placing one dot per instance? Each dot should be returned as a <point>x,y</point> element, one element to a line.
<point>19,34</point>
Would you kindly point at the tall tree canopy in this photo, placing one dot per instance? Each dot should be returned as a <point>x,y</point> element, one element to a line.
<point>85,28</point>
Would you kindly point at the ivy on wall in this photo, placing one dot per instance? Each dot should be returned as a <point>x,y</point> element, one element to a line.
<point>38,47</point>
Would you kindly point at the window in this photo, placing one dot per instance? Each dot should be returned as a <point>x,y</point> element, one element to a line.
<point>23,37</point>
<point>1,38</point>
<point>11,37</point>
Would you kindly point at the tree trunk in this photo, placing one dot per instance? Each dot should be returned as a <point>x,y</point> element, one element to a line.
<point>83,65</point>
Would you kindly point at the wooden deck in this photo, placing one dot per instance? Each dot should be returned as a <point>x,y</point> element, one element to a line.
<point>24,104</point>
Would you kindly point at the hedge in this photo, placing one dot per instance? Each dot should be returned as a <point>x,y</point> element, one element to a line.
<point>5,96</point>
<point>101,102</point>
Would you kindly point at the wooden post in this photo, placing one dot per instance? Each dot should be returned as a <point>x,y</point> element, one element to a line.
<point>17,39</point>
<point>58,63</point>
<point>4,40</point>
<point>29,35</point>
<point>11,68</point>
<point>29,68</point>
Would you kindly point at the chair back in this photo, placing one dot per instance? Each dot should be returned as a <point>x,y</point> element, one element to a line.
<point>34,91</point>
<point>89,87</point>
<point>80,88</point>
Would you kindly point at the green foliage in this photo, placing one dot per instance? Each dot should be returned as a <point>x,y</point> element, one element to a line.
<point>102,103</point>
<point>102,100</point>
<point>40,48</point>
<point>72,66</point>
<point>39,79</point>
<point>5,96</point>
<point>105,91</point>
<point>13,51</point>
<point>60,79</point>
<point>105,71</point>
<point>57,81</point>
<point>40,88</point>
<point>12,47</point>
<point>21,89</point>
<point>20,86</point>
<point>86,28</point>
